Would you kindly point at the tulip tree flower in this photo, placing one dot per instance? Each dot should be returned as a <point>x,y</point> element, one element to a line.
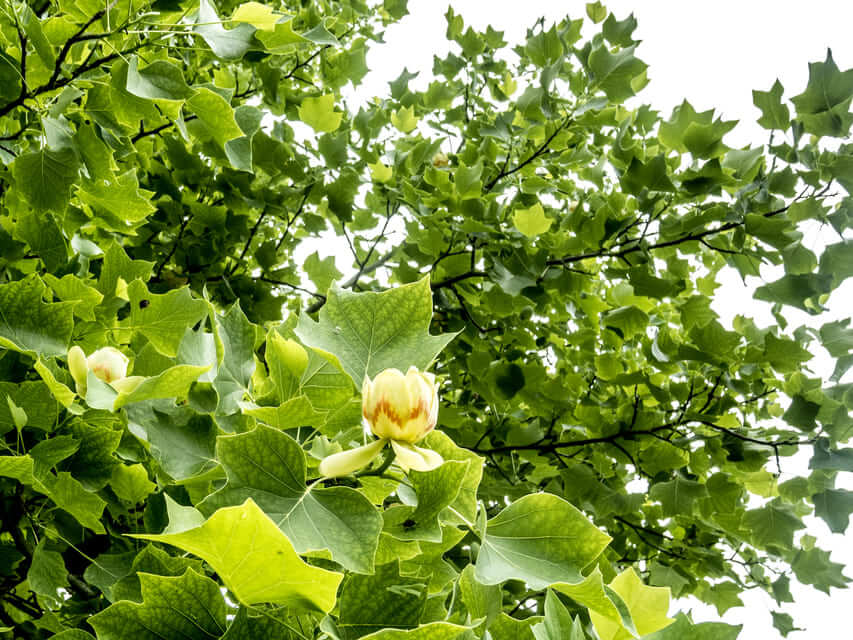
<point>107,364</point>
<point>400,409</point>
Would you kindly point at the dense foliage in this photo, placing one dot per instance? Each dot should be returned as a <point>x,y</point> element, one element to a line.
<point>550,253</point>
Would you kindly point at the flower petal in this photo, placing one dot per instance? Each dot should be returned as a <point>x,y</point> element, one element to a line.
<point>411,457</point>
<point>128,384</point>
<point>79,368</point>
<point>432,458</point>
<point>340,464</point>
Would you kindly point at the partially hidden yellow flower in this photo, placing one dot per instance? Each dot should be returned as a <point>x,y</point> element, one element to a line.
<point>107,364</point>
<point>400,409</point>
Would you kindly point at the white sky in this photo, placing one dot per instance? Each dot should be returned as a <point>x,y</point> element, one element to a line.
<point>714,54</point>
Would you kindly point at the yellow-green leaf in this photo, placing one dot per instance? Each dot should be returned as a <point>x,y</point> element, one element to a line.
<point>256,14</point>
<point>404,119</point>
<point>255,559</point>
<point>532,221</point>
<point>319,113</point>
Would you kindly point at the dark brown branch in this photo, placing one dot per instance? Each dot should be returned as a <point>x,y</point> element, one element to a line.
<point>449,282</point>
<point>539,151</point>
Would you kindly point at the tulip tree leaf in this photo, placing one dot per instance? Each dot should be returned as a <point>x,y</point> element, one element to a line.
<point>28,324</point>
<point>380,601</point>
<point>834,506</point>
<point>371,332</point>
<point>229,44</point>
<point>541,539</point>
<point>255,559</point>
<point>319,113</point>
<point>188,606</point>
<point>775,114</point>
<point>601,600</point>
<point>269,467</point>
<point>162,318</point>
<point>824,107</point>
<point>45,178</point>
<point>172,383</point>
<point>648,607</point>
<point>435,490</point>
<point>533,221</point>
<point>429,631</point>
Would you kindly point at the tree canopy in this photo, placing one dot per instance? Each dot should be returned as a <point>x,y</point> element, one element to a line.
<point>524,227</point>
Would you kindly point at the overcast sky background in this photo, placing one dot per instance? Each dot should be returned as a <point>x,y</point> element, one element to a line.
<point>713,54</point>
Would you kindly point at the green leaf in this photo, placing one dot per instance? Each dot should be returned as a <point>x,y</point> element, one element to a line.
<point>648,607</point>
<point>652,176</point>
<point>835,507</point>
<point>189,606</point>
<point>319,113</point>
<point>165,316</point>
<point>482,601</point>
<point>70,288</point>
<point>119,203</point>
<point>784,623</point>
<point>824,107</point>
<point>370,332</point>
<point>269,467</point>
<point>117,264</point>
<point>772,525</point>
<point>814,567</point>
<point>47,573</point>
<point>18,468</point>
<point>723,595</point>
<point>160,80</point>
<point>404,119</point>
<point>435,490</point>
<point>540,539</point>
<point>35,33</point>
<point>683,627</point>
<point>237,338</point>
<point>532,221</point>
<point>44,178</point>
<point>255,559</point>
<point>796,291</point>
<point>216,115</point>
<point>174,382</point>
<point>802,413</point>
<point>824,458</point>
<point>465,503</point>
<point>619,32</point>
<point>384,600</point>
<point>30,325</point>
<point>322,272</point>
<point>558,623</point>
<point>256,14</point>
<point>45,237</point>
<point>596,11</point>
<point>678,496</point>
<point>70,495</point>
<point>774,114</point>
<point>181,441</point>
<point>620,75</point>
<point>429,631</point>
<point>229,44</point>
<point>608,606</point>
<point>131,483</point>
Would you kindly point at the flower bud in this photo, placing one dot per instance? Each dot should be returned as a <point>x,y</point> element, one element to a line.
<point>78,367</point>
<point>108,364</point>
<point>400,407</point>
<point>440,160</point>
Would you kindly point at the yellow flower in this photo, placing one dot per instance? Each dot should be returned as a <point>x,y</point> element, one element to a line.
<point>400,409</point>
<point>440,160</point>
<point>107,364</point>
